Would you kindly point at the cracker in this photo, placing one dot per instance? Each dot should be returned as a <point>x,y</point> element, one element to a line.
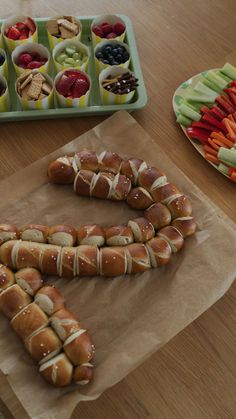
<point>39,77</point>
<point>52,27</point>
<point>24,93</point>
<point>42,96</point>
<point>72,27</point>
<point>65,34</point>
<point>26,80</point>
<point>24,75</point>
<point>46,88</point>
<point>34,90</point>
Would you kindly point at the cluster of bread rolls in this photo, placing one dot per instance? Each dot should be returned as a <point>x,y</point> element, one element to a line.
<point>50,332</point>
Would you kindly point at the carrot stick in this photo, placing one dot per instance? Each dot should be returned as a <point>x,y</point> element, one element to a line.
<point>229,128</point>
<point>211,158</point>
<point>211,142</point>
<point>210,150</point>
<point>220,143</point>
<point>230,116</point>
<point>222,139</point>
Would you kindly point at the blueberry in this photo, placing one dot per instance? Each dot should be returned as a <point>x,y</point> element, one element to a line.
<point>108,48</point>
<point>115,63</point>
<point>125,56</point>
<point>119,58</point>
<point>120,50</point>
<point>2,59</point>
<point>110,58</point>
<point>99,55</point>
<point>105,62</point>
<point>114,52</point>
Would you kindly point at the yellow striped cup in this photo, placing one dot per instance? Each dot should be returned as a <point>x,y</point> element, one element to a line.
<point>46,103</point>
<point>10,43</point>
<point>32,47</point>
<point>5,98</point>
<point>109,98</point>
<point>109,19</point>
<point>64,102</point>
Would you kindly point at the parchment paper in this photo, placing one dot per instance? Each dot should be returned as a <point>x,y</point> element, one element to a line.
<point>128,317</point>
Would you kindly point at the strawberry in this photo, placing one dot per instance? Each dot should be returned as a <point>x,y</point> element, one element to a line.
<point>111,35</point>
<point>107,29</point>
<point>64,84</point>
<point>79,88</point>
<point>34,64</point>
<point>22,37</point>
<point>20,26</point>
<point>13,33</point>
<point>25,58</point>
<point>76,73</point>
<point>35,56</point>
<point>105,23</point>
<point>24,33</point>
<point>118,28</point>
<point>98,31</point>
<point>30,25</point>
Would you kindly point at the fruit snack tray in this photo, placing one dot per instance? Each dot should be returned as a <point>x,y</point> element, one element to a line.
<point>95,106</point>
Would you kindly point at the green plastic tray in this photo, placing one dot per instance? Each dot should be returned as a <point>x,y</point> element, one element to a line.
<point>95,107</point>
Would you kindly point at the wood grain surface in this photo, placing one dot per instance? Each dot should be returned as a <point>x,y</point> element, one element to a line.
<point>194,375</point>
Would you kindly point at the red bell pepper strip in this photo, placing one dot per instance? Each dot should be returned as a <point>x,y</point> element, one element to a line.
<point>198,134</point>
<point>232,96</point>
<point>233,83</point>
<point>218,113</point>
<point>213,121</point>
<point>203,125</point>
<point>225,105</point>
<point>232,171</point>
<point>204,109</point>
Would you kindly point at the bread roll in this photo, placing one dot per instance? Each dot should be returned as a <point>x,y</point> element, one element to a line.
<point>79,348</point>
<point>151,178</point>
<point>159,251</point>
<point>12,300</point>
<point>57,371</point>
<point>49,299</point>
<point>142,229</point>
<point>173,236</point>
<point>102,185</point>
<point>85,160</point>
<point>83,374</point>
<point>120,187</point>
<point>119,235</point>
<point>29,279</point>
<point>180,206</point>
<point>91,234</point>
<point>113,261</point>
<point>65,323</point>
<point>186,225</point>
<point>87,260</point>
<point>109,162</point>
<point>43,345</point>
<point>8,253</point>
<point>137,258</point>
<point>132,167</point>
<point>158,215</point>
<point>6,278</point>
<point>28,254</point>
<point>61,170</point>
<point>8,232</point>
<point>34,233</point>
<point>83,182</point>
<point>62,235</point>
<point>29,320</point>
<point>139,198</point>
<point>50,259</point>
<point>165,193</point>
<point>67,264</point>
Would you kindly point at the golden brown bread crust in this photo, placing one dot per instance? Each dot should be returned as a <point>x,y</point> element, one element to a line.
<point>180,207</point>
<point>87,260</point>
<point>8,232</point>
<point>142,229</point>
<point>79,347</point>
<point>50,259</point>
<point>61,171</point>
<point>6,277</point>
<point>83,182</point>
<point>119,235</point>
<point>58,371</point>
<point>137,258</point>
<point>159,251</point>
<point>49,299</point>
<point>65,323</point>
<point>165,193</point>
<point>62,235</point>
<point>29,320</point>
<point>186,225</point>
<point>120,187</point>
<point>43,345</point>
<point>28,254</point>
<point>29,279</point>
<point>12,300</point>
<point>131,168</point>
<point>6,250</point>
<point>85,160</point>
<point>109,162</point>
<point>158,214</point>
<point>139,198</point>
<point>91,234</point>
<point>83,374</point>
<point>67,263</point>
<point>173,236</point>
<point>151,177</point>
<point>113,261</point>
<point>102,185</point>
<point>34,232</point>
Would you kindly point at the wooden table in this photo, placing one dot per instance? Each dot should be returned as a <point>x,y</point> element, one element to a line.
<point>194,375</point>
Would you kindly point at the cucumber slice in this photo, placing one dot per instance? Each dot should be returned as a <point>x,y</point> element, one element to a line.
<point>204,90</point>
<point>227,155</point>
<point>186,110</point>
<point>229,70</point>
<point>226,78</point>
<point>212,85</point>
<point>219,81</point>
<point>183,120</point>
<point>195,97</point>
<point>223,168</point>
<point>196,105</point>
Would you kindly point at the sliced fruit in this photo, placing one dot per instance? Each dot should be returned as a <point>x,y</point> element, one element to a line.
<point>13,33</point>
<point>79,88</point>
<point>98,31</point>
<point>30,24</point>
<point>64,84</point>
<point>118,28</point>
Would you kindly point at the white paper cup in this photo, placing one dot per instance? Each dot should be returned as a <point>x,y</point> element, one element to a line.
<point>53,40</point>
<point>5,98</point>
<point>32,47</point>
<point>1,41</point>
<point>109,98</point>
<point>99,64</point>
<point>110,19</point>
<point>46,103</point>
<point>4,67</point>
<point>64,102</point>
<point>10,43</point>
<point>67,43</point>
